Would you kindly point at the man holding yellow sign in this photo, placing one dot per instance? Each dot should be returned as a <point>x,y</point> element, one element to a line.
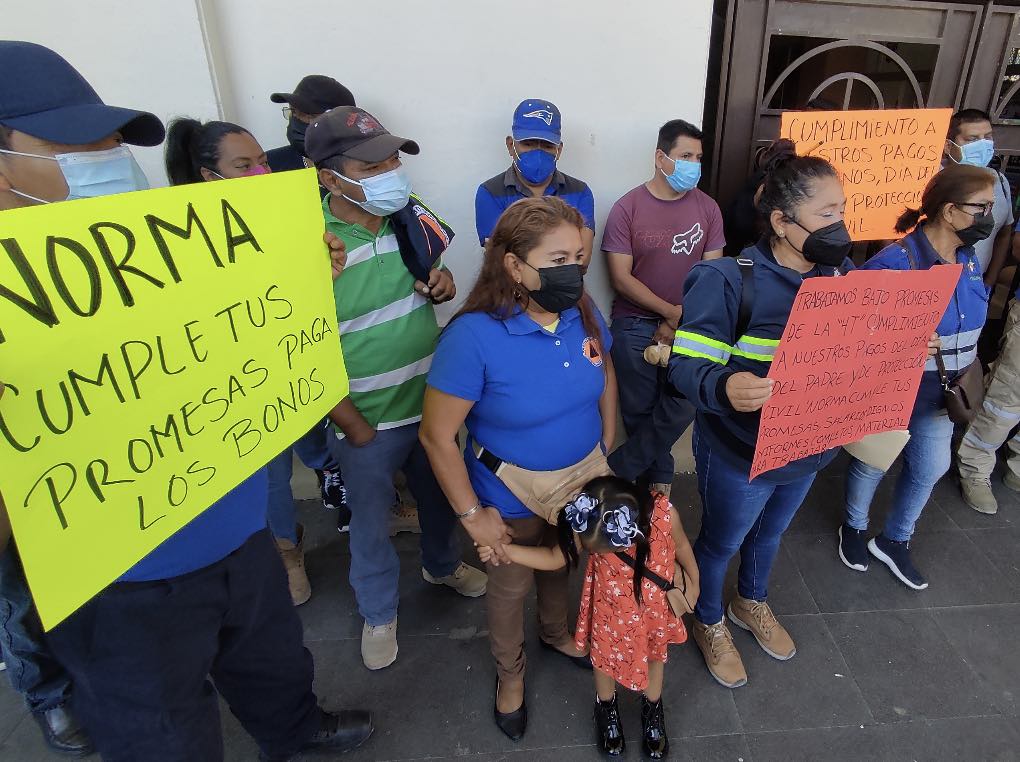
<point>155,358</point>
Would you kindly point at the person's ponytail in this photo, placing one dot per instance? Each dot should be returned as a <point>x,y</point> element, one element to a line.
<point>180,136</point>
<point>908,220</point>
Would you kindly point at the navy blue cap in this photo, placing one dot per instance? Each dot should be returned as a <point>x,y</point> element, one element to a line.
<point>537,120</point>
<point>42,95</point>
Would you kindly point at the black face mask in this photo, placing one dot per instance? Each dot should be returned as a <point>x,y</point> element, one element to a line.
<point>981,228</point>
<point>827,246</point>
<point>296,134</point>
<point>561,287</point>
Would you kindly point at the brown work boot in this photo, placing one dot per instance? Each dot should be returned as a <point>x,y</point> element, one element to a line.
<point>721,656</point>
<point>757,618</point>
<point>293,556</point>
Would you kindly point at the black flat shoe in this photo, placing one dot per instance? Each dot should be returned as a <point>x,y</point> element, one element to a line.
<point>609,727</point>
<point>62,732</point>
<point>584,662</point>
<point>513,724</point>
<point>655,743</point>
<point>338,732</point>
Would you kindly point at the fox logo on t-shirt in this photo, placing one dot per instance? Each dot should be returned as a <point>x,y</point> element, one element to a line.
<point>684,243</point>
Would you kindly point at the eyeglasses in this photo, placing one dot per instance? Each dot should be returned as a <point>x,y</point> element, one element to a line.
<point>287,112</point>
<point>983,208</point>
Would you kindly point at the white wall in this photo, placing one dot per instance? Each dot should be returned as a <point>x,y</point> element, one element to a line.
<point>446,74</point>
<point>147,55</point>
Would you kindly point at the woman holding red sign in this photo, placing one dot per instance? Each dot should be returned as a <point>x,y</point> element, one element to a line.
<point>735,311</point>
<point>955,213</point>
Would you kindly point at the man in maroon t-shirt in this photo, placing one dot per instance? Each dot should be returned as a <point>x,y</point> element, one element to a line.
<point>654,235</point>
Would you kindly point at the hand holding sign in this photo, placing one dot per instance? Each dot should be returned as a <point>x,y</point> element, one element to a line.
<point>748,392</point>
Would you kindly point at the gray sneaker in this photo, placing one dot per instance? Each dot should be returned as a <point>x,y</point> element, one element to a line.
<point>379,645</point>
<point>1011,480</point>
<point>977,493</point>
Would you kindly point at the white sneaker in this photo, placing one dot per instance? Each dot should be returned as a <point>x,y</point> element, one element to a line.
<point>379,645</point>
<point>3,666</point>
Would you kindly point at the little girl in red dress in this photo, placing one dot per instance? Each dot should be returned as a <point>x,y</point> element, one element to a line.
<point>624,616</point>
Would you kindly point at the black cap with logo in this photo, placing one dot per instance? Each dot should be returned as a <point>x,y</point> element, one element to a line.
<point>353,132</point>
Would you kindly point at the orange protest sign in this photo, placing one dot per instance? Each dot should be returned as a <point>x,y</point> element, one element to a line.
<point>850,360</point>
<point>885,158</point>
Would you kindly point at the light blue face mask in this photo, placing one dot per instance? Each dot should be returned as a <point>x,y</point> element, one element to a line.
<point>979,153</point>
<point>385,194</point>
<point>686,175</point>
<point>93,173</point>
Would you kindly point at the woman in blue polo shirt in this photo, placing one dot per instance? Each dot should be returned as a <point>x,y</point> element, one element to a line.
<point>525,365</point>
<point>955,213</point>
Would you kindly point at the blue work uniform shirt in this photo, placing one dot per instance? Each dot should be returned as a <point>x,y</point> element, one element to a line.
<point>497,193</point>
<point>536,393</point>
<point>963,319</point>
<point>211,536</point>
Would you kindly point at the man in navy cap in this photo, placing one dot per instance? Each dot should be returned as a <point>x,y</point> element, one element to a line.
<point>211,601</point>
<point>534,145</point>
<point>314,96</point>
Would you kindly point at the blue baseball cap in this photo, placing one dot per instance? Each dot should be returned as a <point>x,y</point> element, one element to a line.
<point>536,120</point>
<point>42,95</point>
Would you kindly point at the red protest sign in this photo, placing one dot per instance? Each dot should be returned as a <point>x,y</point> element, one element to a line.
<point>849,360</point>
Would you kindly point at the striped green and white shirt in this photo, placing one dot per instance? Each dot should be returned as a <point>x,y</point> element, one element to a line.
<point>389,330</point>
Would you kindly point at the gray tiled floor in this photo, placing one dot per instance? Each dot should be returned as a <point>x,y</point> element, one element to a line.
<point>881,672</point>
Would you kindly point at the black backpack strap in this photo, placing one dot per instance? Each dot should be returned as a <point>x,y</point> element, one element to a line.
<point>746,306</point>
<point>648,574</point>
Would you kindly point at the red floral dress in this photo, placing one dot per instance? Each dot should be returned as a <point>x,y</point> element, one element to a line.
<point>624,636</point>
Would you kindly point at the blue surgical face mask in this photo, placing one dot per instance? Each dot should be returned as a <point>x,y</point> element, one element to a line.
<point>535,165</point>
<point>686,175</point>
<point>978,153</point>
<point>385,194</point>
<point>93,173</point>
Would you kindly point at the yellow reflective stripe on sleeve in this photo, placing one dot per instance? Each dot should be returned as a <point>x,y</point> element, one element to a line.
<point>695,345</point>
<point>755,348</point>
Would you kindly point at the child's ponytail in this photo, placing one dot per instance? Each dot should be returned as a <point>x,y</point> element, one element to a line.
<point>646,502</point>
<point>565,536</point>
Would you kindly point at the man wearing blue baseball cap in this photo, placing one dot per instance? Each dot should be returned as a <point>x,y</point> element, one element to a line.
<point>535,145</point>
<point>210,602</point>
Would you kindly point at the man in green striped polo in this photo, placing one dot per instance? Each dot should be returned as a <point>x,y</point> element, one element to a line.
<point>388,328</point>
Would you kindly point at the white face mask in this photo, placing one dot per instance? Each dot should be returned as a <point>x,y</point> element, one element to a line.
<point>385,194</point>
<point>89,174</point>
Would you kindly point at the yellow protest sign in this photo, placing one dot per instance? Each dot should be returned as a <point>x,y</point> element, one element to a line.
<point>885,158</point>
<point>158,348</point>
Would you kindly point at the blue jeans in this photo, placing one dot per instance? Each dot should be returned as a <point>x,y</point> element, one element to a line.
<point>654,419</point>
<point>925,459</point>
<point>32,669</point>
<point>313,450</point>
<point>368,475</point>
<point>737,515</point>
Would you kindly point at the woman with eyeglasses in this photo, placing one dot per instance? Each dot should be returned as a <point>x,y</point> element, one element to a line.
<point>955,213</point>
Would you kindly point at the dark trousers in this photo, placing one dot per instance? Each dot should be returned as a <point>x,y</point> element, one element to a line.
<point>654,418</point>
<point>141,656</point>
<point>31,668</point>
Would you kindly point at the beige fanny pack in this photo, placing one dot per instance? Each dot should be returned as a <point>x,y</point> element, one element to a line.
<point>545,493</point>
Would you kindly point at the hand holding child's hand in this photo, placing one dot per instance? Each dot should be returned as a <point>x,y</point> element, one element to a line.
<point>486,553</point>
